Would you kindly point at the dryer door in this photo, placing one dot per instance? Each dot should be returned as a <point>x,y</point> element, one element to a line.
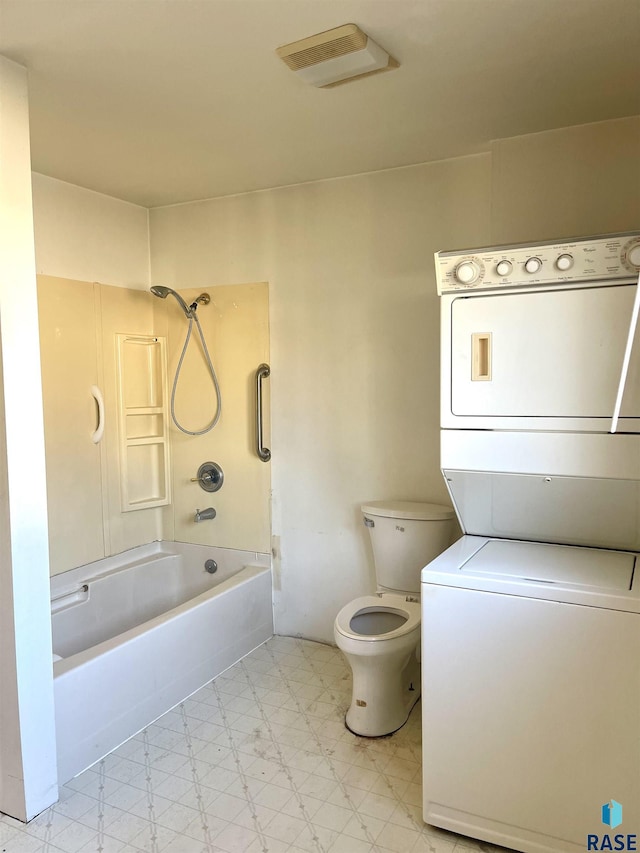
<point>543,354</point>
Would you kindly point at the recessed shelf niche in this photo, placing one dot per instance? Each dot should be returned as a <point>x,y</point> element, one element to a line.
<point>143,422</point>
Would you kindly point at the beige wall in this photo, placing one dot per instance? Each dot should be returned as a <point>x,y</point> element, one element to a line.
<point>354,350</point>
<point>354,322</point>
<point>87,236</point>
<point>564,183</point>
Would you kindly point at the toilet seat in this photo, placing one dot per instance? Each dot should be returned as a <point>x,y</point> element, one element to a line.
<point>385,603</point>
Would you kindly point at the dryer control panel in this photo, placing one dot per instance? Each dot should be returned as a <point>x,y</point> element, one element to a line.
<point>608,258</point>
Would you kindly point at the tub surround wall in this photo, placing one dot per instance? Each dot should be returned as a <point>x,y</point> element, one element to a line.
<point>28,778</point>
<point>79,325</point>
<point>68,313</point>
<point>236,328</point>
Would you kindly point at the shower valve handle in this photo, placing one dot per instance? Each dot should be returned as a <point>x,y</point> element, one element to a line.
<point>210,476</point>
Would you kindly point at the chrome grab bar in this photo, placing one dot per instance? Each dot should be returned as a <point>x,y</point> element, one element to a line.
<point>69,598</point>
<point>625,361</point>
<point>261,373</point>
<point>80,588</point>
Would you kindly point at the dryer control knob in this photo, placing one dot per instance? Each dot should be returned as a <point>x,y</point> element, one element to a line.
<point>504,268</point>
<point>467,272</point>
<point>564,262</point>
<point>533,265</point>
<point>634,256</point>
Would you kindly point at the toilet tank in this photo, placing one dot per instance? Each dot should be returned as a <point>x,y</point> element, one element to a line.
<point>406,535</point>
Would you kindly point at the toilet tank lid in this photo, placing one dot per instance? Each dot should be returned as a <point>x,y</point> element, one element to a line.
<point>408,510</point>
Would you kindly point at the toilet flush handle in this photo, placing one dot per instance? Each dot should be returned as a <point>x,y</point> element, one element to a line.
<point>369,522</point>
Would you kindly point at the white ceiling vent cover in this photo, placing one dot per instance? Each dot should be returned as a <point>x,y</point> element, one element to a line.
<point>336,56</point>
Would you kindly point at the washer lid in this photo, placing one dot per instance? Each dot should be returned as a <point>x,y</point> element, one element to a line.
<point>592,568</point>
<point>563,573</point>
<point>408,510</point>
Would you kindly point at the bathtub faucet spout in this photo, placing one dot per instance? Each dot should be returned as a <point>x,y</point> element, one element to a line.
<point>204,514</point>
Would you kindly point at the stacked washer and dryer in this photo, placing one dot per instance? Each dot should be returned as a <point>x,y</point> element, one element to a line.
<point>531,621</point>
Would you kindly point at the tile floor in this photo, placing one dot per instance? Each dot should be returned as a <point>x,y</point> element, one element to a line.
<point>258,761</point>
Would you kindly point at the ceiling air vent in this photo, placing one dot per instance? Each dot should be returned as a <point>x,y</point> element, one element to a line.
<point>336,56</point>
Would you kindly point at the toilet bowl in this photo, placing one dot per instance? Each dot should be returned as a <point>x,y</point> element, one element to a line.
<point>380,637</point>
<point>380,634</point>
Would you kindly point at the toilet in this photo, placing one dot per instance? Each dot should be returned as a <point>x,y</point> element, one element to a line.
<point>380,634</point>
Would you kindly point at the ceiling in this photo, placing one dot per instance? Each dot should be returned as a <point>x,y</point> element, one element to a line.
<point>164,101</point>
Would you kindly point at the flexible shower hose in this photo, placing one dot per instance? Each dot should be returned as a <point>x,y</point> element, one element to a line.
<point>216,418</point>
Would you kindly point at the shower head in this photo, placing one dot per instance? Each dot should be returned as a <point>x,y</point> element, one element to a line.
<point>163,292</point>
<point>159,290</point>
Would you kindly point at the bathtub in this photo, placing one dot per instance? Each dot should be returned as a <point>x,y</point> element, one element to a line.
<point>135,634</point>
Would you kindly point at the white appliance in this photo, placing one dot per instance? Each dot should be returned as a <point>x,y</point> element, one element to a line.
<point>531,692</point>
<point>531,622</point>
<point>539,347</point>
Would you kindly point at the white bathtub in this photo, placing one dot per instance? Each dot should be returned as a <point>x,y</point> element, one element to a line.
<point>138,633</point>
